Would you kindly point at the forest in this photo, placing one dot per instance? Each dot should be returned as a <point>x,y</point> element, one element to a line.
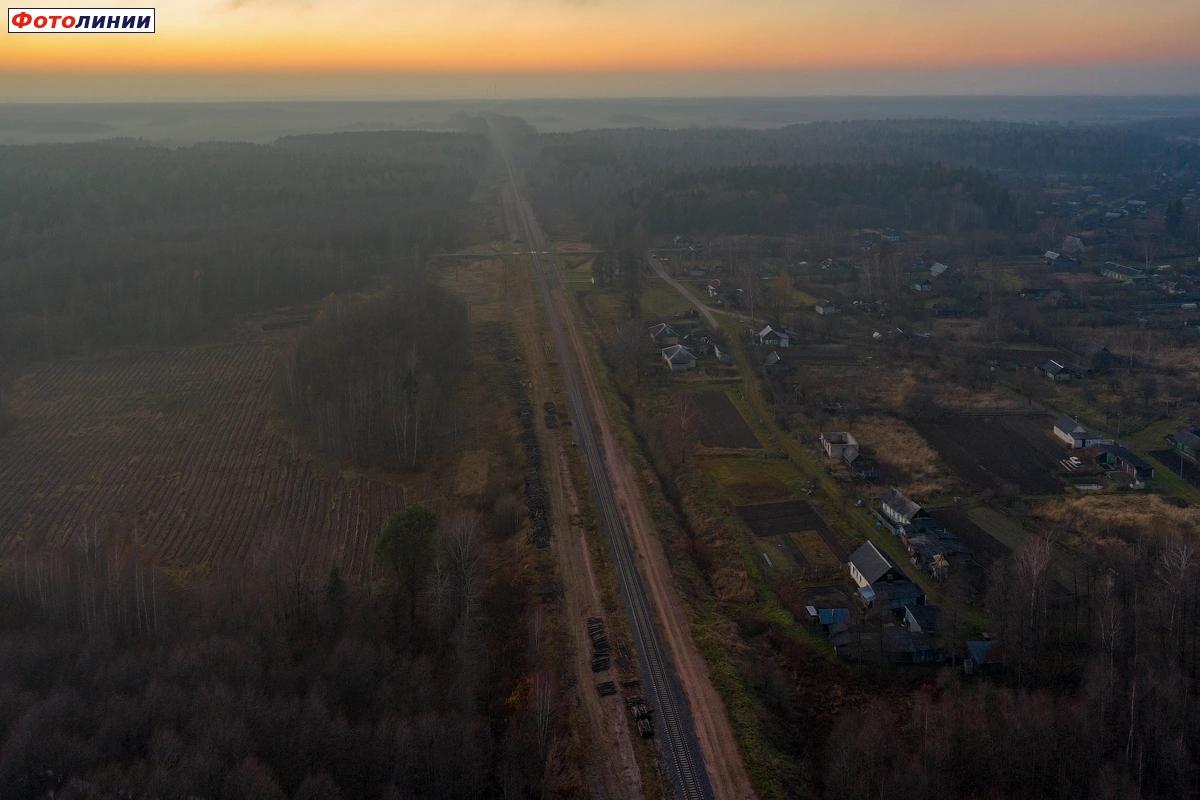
<point>1094,702</point>
<point>1001,146</point>
<point>265,682</point>
<point>804,199</point>
<point>123,242</point>
<point>367,383</point>
<point>591,178</point>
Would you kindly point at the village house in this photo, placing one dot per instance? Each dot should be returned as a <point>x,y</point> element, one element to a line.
<point>921,285</point>
<point>898,509</point>
<point>678,358</point>
<point>1076,435</point>
<point>869,566</point>
<point>938,269</point>
<point>772,337</point>
<point>722,355</point>
<point>663,334</point>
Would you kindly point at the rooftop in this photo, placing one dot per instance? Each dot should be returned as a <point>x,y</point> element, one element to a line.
<point>894,499</point>
<point>870,562</point>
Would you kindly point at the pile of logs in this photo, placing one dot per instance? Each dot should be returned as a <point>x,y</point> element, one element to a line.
<point>600,652</point>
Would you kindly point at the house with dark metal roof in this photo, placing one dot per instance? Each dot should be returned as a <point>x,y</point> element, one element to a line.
<point>868,565</point>
<point>894,596</point>
<point>892,643</point>
<point>922,619</point>
<point>1055,371</point>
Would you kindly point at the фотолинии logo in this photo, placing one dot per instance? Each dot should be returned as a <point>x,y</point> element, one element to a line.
<point>81,20</point>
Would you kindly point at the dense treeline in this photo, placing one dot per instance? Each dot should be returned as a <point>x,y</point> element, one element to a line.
<point>1019,147</point>
<point>1094,701</point>
<point>367,382</point>
<point>123,242</point>
<point>796,199</point>
<point>271,683</point>
<point>586,178</point>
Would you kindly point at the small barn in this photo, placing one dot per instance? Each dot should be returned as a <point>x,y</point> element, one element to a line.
<point>663,334</point>
<point>840,444</point>
<point>1127,461</point>
<point>1055,371</point>
<point>825,307</point>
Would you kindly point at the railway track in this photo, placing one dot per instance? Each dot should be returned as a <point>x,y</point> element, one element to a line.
<point>673,722</point>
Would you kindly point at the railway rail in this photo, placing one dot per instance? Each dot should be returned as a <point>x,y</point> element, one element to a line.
<point>673,722</point>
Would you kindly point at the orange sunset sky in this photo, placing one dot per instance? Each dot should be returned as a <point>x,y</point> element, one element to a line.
<point>230,48</point>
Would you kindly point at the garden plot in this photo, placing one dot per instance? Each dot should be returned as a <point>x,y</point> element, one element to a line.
<point>797,533</point>
<point>1009,453</point>
<point>722,425</point>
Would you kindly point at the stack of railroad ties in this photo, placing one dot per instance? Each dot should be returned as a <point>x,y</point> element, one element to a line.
<point>535,492</point>
<point>600,653</point>
<point>601,661</point>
